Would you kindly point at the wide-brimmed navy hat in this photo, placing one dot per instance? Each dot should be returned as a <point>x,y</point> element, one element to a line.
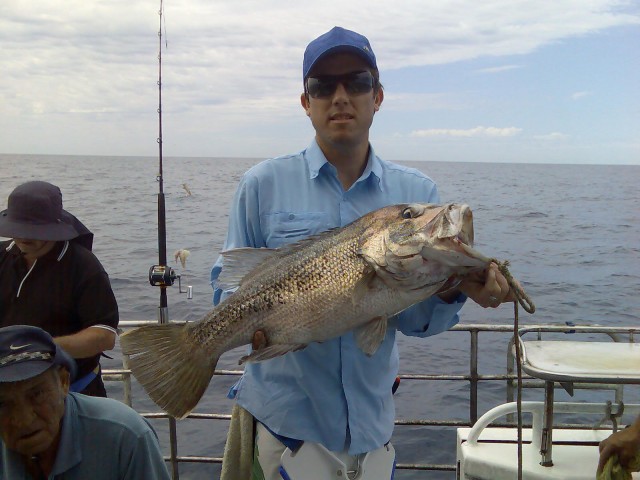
<point>336,40</point>
<point>27,351</point>
<point>34,211</point>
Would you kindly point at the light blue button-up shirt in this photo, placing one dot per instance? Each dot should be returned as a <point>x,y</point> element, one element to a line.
<point>329,392</point>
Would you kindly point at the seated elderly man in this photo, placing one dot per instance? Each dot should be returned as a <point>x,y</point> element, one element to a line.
<point>48,432</point>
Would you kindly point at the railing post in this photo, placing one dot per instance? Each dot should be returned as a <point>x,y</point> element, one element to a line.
<point>547,427</point>
<point>473,370</point>
<point>173,441</point>
<point>510,382</point>
<point>126,387</point>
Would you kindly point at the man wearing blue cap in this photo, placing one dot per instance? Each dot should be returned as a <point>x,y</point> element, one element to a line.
<point>48,432</point>
<point>330,403</point>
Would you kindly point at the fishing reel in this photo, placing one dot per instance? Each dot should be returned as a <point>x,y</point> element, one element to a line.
<point>165,276</point>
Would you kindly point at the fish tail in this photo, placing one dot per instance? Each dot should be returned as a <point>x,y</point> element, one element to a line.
<point>165,362</point>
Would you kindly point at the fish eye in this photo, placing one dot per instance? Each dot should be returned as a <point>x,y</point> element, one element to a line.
<point>413,210</point>
<point>408,213</point>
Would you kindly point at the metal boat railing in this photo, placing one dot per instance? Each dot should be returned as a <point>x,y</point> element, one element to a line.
<point>612,411</point>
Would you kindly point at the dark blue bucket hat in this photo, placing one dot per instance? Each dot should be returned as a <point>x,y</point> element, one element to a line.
<point>27,351</point>
<point>34,211</point>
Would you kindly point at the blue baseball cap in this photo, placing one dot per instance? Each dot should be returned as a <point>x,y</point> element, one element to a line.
<point>337,39</point>
<point>26,352</point>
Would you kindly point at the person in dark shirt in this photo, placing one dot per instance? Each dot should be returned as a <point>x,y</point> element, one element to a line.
<point>49,278</point>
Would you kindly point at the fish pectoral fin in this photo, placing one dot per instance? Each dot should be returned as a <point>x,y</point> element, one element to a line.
<point>370,336</point>
<point>272,351</point>
<point>363,287</point>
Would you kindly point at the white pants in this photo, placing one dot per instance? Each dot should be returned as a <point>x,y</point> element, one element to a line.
<point>269,452</point>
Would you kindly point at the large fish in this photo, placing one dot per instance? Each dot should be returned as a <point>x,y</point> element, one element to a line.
<point>349,278</point>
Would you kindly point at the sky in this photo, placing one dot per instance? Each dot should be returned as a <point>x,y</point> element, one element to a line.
<point>550,81</point>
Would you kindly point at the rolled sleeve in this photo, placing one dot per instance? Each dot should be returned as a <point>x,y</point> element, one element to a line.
<point>96,302</point>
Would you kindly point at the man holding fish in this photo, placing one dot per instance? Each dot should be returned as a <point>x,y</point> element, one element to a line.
<point>331,400</point>
<point>322,312</point>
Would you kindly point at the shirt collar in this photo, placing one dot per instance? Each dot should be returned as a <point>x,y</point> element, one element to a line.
<point>70,448</point>
<point>56,253</point>
<point>316,161</point>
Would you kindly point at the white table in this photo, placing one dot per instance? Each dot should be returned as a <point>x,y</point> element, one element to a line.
<point>568,362</point>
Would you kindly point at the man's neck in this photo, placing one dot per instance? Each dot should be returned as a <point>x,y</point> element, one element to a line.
<point>350,161</point>
<point>30,258</point>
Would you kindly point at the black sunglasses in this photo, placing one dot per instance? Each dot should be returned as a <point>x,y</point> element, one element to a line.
<point>323,86</point>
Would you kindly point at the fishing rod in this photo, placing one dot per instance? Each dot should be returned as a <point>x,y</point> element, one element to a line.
<point>162,275</point>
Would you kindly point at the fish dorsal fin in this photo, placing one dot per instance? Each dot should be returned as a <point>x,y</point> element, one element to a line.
<point>271,352</point>
<point>370,335</point>
<point>238,262</point>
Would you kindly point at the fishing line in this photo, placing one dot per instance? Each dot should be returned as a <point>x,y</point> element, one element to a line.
<point>164,22</point>
<point>516,341</point>
<point>521,296</point>
<point>523,299</point>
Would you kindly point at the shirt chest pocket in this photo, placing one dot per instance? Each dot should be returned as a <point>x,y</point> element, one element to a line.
<point>287,227</point>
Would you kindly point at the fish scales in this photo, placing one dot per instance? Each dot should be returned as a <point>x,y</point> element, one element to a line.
<point>299,296</point>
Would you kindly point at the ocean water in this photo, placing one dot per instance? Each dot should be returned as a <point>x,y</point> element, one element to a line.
<point>571,232</point>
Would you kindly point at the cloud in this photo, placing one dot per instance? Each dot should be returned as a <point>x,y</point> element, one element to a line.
<point>471,132</point>
<point>579,95</point>
<point>553,136</point>
<point>501,69</point>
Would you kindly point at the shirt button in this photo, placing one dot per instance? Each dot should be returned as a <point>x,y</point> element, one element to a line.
<point>291,216</point>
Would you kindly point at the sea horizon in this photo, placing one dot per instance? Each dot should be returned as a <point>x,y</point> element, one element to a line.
<point>257,159</point>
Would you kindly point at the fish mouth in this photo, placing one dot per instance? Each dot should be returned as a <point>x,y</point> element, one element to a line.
<point>456,223</point>
<point>464,239</point>
<point>453,238</point>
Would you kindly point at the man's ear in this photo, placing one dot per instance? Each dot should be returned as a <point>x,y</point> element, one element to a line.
<point>304,101</point>
<point>65,379</point>
<point>378,100</point>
